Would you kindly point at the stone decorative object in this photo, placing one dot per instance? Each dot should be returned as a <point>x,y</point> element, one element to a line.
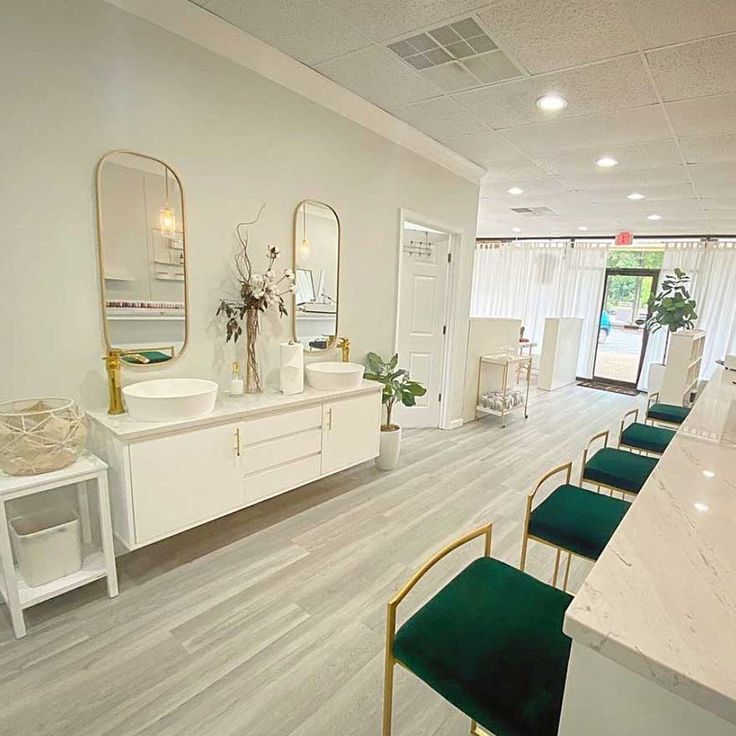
<point>40,435</point>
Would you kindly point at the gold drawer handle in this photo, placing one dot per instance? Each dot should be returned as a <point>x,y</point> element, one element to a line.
<point>237,441</point>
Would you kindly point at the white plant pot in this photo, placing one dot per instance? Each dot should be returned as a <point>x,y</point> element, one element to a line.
<point>388,456</point>
<point>655,377</point>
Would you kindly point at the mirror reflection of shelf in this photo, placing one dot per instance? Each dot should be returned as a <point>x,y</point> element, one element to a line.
<point>118,277</point>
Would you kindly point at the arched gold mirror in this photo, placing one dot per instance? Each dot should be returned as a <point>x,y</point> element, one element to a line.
<point>142,258</point>
<point>316,257</point>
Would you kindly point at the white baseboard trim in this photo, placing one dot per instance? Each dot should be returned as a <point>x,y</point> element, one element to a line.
<point>455,424</point>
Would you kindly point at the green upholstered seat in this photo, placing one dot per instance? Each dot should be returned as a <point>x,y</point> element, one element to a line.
<point>576,519</point>
<point>647,437</point>
<point>668,413</point>
<point>491,643</point>
<point>619,469</point>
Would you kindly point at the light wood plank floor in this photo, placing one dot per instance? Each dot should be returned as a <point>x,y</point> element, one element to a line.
<point>271,621</point>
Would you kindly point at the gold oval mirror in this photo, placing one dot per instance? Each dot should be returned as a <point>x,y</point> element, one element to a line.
<point>316,258</point>
<point>142,258</point>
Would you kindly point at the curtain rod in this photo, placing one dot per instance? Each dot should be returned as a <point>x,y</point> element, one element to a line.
<point>603,237</point>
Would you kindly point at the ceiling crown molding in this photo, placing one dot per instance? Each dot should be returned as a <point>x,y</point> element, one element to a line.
<point>192,22</point>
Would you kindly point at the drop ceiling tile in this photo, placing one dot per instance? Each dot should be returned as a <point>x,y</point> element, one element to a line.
<point>513,171</point>
<point>492,67</point>
<point>309,30</point>
<point>630,158</point>
<point>695,69</point>
<point>709,148</point>
<point>544,35</point>
<point>616,195</point>
<point>451,77</point>
<point>605,87</point>
<point>663,22</point>
<point>384,19</point>
<point>720,204</point>
<point>533,190</point>
<point>714,179</point>
<point>634,180</point>
<point>707,116</point>
<point>439,118</point>
<point>483,148</point>
<point>617,128</point>
<point>379,76</point>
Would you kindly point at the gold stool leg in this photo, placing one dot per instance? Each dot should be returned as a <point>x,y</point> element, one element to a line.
<point>567,571</point>
<point>476,730</point>
<point>557,567</point>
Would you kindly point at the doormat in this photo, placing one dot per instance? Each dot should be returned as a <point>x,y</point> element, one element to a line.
<point>602,386</point>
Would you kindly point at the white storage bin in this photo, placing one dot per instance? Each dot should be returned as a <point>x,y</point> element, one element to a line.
<point>47,545</point>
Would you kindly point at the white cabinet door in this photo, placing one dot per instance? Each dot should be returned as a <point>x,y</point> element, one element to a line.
<point>184,479</point>
<point>350,432</point>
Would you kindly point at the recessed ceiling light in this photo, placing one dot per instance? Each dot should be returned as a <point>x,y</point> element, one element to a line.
<point>634,195</point>
<point>654,217</point>
<point>709,474</point>
<point>605,162</point>
<point>516,229</point>
<point>551,103</point>
<point>515,190</point>
<point>701,506</point>
<point>582,227</point>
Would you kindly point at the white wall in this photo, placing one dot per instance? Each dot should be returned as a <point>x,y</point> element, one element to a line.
<point>79,78</point>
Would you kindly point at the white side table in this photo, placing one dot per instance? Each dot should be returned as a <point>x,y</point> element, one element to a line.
<point>99,563</point>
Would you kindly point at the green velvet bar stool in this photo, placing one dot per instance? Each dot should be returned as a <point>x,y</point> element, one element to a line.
<point>643,437</point>
<point>669,414</point>
<point>615,469</point>
<point>490,642</point>
<point>571,519</point>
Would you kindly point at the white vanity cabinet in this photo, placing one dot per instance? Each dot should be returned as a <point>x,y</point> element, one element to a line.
<point>168,477</point>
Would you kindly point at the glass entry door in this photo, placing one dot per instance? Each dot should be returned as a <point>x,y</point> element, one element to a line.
<point>622,338</point>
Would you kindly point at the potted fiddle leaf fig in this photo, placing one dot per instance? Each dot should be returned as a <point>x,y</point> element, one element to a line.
<point>672,309</point>
<point>397,386</point>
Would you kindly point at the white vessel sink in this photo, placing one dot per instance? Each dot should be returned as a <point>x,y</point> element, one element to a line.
<point>170,399</point>
<point>334,376</point>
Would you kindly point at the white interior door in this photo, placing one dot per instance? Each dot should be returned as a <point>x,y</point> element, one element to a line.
<point>421,323</point>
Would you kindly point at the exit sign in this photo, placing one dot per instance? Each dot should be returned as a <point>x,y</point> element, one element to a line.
<point>624,238</point>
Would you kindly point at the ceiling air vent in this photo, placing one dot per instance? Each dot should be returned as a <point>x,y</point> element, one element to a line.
<point>471,55</point>
<point>534,211</point>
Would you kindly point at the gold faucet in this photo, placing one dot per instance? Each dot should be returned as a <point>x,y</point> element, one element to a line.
<point>344,344</point>
<point>114,381</point>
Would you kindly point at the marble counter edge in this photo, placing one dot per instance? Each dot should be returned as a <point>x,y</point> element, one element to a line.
<point>637,662</point>
<point>227,409</point>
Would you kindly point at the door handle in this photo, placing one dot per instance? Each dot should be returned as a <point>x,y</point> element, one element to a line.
<point>237,441</point>
<point>329,418</point>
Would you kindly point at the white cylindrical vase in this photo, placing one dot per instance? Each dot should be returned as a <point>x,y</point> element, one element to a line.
<point>388,456</point>
<point>291,370</point>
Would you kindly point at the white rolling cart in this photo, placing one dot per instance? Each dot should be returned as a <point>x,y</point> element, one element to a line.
<point>511,366</point>
<point>98,560</point>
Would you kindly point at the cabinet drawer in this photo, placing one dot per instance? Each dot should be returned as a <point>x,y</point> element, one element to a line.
<point>255,458</point>
<point>259,486</point>
<point>266,428</point>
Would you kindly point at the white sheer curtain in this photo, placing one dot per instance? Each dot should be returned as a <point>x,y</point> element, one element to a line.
<point>715,295</point>
<point>687,257</point>
<point>712,270</point>
<point>532,280</point>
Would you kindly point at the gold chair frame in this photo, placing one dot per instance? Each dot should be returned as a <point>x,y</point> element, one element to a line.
<point>654,399</point>
<point>485,531</point>
<point>631,448</point>
<point>624,493</point>
<point>525,540</point>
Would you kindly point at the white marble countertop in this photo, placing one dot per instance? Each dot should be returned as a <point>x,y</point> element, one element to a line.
<point>661,600</point>
<point>227,409</point>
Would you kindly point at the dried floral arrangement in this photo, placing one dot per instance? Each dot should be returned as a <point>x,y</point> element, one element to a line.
<point>257,293</point>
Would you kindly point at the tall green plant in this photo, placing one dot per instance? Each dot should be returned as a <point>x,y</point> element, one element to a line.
<point>397,386</point>
<point>672,308</point>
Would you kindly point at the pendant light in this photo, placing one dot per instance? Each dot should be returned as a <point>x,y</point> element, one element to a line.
<point>166,215</point>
